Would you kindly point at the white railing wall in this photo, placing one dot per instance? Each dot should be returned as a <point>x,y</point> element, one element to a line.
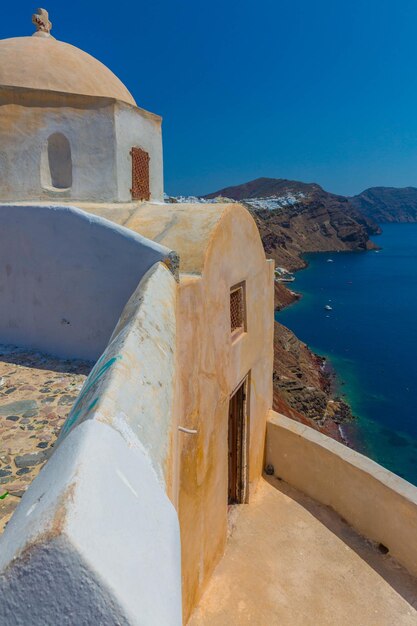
<point>96,538</point>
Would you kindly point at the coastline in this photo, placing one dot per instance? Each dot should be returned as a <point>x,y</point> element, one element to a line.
<point>304,383</point>
<point>312,395</point>
<point>369,340</point>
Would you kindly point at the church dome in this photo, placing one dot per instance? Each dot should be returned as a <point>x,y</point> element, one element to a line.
<point>43,63</point>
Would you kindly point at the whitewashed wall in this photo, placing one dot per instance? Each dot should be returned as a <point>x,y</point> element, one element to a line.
<point>135,127</point>
<point>65,277</point>
<point>95,539</point>
<point>100,132</point>
<point>24,132</point>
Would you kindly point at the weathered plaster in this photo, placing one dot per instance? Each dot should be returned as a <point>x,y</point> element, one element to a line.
<point>188,227</point>
<point>290,561</point>
<point>24,133</point>
<point>95,540</point>
<point>216,241</point>
<point>100,133</point>
<point>379,504</point>
<point>47,87</point>
<point>211,368</point>
<point>132,385</point>
<point>134,129</point>
<point>143,391</point>
<point>97,524</point>
<point>65,277</point>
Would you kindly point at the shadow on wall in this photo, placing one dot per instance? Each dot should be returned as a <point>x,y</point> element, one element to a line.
<point>56,163</point>
<point>65,277</point>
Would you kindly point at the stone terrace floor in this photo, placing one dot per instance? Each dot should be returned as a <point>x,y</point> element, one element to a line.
<point>36,395</point>
<point>292,562</point>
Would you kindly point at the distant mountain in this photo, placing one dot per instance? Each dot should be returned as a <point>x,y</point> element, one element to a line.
<point>266,188</point>
<point>295,217</point>
<point>387,204</point>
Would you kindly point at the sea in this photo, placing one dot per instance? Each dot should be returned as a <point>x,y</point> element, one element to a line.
<point>369,338</point>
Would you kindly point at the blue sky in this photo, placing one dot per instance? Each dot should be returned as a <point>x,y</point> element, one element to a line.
<point>322,91</point>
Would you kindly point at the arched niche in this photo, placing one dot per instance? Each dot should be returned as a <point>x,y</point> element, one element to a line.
<point>56,163</point>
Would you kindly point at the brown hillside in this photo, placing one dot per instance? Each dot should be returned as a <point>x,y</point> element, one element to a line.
<point>294,218</point>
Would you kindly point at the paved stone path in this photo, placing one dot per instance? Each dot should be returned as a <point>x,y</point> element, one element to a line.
<point>36,395</point>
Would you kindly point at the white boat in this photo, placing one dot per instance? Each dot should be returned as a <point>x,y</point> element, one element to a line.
<point>330,261</point>
<point>283,276</point>
<point>328,307</point>
<point>286,279</point>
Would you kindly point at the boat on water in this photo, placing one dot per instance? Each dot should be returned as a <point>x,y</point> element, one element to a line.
<point>330,261</point>
<point>328,307</point>
<point>283,276</point>
<point>287,279</point>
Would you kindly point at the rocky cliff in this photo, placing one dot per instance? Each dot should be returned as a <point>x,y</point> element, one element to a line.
<point>387,204</point>
<point>295,217</point>
<point>303,386</point>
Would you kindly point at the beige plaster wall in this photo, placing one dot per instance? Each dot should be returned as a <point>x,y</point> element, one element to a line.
<point>44,63</point>
<point>218,246</point>
<point>379,504</point>
<point>210,368</point>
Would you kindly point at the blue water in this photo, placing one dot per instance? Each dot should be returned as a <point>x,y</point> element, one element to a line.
<point>370,338</point>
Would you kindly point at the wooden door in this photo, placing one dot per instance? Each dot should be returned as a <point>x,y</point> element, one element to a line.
<point>140,174</point>
<point>236,442</point>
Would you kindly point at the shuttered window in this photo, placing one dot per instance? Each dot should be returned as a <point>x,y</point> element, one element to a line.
<point>237,309</point>
<point>140,174</point>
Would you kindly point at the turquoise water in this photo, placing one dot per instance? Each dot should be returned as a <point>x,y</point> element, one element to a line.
<point>370,338</point>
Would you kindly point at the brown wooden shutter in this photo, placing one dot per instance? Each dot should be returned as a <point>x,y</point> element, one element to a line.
<point>140,174</point>
<point>237,309</point>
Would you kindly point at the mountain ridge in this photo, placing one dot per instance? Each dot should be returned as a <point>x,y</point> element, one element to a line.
<point>387,204</point>
<point>380,204</point>
<point>295,217</point>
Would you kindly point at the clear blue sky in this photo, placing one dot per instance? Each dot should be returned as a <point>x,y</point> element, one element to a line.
<point>322,91</point>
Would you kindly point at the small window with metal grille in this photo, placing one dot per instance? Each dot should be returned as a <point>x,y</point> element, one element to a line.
<point>140,174</point>
<point>237,309</point>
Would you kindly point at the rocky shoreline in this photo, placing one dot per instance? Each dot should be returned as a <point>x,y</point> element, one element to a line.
<point>294,218</point>
<point>304,383</point>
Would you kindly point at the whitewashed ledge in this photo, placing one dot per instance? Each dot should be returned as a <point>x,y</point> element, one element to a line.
<point>95,539</point>
<point>377,503</point>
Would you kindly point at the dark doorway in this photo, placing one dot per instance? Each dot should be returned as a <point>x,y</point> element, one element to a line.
<point>237,446</point>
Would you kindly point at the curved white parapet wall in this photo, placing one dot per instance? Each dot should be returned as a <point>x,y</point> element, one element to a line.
<point>96,538</point>
<point>65,277</point>
<point>379,504</point>
<point>131,387</point>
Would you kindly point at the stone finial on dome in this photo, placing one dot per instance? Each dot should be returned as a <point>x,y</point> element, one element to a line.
<point>42,23</point>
